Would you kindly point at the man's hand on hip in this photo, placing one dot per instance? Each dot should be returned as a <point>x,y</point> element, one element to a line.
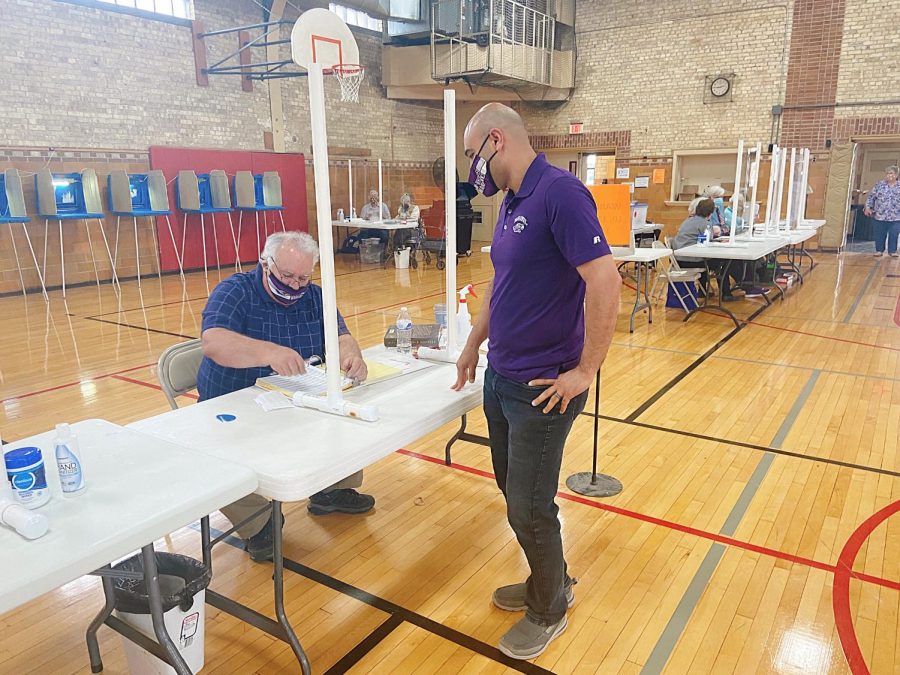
<point>563,389</point>
<point>285,361</point>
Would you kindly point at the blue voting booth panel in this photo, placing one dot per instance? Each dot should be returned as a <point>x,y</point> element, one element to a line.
<point>205,189</point>
<point>139,186</point>
<point>257,192</point>
<point>69,192</point>
<point>12,206</point>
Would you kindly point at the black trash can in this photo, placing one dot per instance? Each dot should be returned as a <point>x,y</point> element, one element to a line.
<point>183,581</point>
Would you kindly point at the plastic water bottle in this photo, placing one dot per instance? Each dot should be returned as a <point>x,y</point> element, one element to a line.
<point>702,238</point>
<point>68,460</point>
<point>404,331</point>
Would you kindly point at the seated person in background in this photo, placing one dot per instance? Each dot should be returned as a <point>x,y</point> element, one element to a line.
<point>408,213</point>
<point>371,212</point>
<point>271,319</point>
<point>717,194</point>
<point>688,232</point>
<point>735,207</point>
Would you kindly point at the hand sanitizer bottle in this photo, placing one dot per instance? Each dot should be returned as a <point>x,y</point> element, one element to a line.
<point>68,460</point>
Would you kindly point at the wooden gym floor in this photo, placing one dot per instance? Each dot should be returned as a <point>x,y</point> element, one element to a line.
<point>757,532</point>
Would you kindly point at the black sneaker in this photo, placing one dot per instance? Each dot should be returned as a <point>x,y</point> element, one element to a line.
<point>345,500</point>
<point>261,546</point>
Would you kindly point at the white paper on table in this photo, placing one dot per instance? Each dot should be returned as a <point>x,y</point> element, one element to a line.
<point>273,400</point>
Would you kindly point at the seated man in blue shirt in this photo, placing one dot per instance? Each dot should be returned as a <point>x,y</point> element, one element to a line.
<point>268,320</point>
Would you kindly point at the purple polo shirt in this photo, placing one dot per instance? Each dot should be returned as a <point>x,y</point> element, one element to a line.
<point>537,308</point>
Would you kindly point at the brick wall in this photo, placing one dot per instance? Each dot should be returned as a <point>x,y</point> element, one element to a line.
<point>113,84</point>
<point>812,78</point>
<point>644,72</point>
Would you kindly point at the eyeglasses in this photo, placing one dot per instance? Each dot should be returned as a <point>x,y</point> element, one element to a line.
<point>302,279</point>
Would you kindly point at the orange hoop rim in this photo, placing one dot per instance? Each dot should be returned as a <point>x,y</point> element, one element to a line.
<point>346,69</point>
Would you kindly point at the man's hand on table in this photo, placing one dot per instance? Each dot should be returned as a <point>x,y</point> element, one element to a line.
<point>354,367</point>
<point>285,361</point>
<point>465,367</point>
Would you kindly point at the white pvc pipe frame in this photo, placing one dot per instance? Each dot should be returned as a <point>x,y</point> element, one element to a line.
<point>326,240</point>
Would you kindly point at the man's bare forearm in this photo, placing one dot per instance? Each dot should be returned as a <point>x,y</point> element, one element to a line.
<point>601,308</point>
<point>234,350</point>
<point>480,330</point>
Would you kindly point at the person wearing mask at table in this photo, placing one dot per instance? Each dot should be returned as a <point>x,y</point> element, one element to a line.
<point>371,212</point>
<point>717,194</point>
<point>687,235</point>
<point>883,206</point>
<point>407,213</point>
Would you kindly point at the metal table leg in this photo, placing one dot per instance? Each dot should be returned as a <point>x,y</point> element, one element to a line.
<point>151,578</point>
<point>462,435</point>
<point>719,308</point>
<point>99,620</point>
<point>290,635</point>
<point>280,629</point>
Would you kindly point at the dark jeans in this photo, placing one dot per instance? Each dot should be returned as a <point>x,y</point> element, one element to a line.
<point>526,450</point>
<point>716,266</point>
<point>889,229</point>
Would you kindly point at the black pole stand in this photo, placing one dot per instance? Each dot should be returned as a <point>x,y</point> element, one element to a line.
<point>591,483</point>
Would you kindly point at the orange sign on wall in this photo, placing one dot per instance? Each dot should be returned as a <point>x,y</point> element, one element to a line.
<point>614,212</point>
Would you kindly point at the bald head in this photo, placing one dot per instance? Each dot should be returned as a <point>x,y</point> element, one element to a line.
<point>497,116</point>
<point>498,134</point>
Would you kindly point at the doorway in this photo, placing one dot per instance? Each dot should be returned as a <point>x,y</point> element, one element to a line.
<point>592,167</point>
<point>872,160</point>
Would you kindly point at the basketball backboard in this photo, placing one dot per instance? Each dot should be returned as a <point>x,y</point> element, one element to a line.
<point>321,36</point>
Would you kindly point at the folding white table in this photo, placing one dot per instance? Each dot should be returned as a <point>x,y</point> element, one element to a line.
<point>643,259</point>
<point>139,489</point>
<point>742,251</point>
<point>296,452</point>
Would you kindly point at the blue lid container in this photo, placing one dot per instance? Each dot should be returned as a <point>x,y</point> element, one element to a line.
<point>21,458</point>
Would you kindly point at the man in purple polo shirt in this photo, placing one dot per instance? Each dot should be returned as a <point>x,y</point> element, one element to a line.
<point>550,322</point>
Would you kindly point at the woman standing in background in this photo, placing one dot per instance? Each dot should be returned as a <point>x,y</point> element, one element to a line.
<point>883,206</point>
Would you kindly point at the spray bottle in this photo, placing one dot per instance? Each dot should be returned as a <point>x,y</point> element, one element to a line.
<point>29,524</point>
<point>463,318</point>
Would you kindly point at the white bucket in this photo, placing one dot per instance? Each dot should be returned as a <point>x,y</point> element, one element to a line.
<point>185,629</point>
<point>401,259</point>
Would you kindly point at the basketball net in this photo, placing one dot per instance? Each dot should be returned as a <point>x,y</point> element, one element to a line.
<point>350,76</point>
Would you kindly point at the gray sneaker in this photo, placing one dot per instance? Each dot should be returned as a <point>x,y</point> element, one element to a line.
<point>527,640</point>
<point>512,597</point>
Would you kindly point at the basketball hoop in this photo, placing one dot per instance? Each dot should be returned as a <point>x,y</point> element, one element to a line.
<point>350,76</point>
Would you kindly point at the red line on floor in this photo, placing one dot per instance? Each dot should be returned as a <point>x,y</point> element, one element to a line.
<point>826,337</point>
<point>728,541</point>
<point>150,385</point>
<point>897,312</point>
<point>840,596</point>
<point>72,384</point>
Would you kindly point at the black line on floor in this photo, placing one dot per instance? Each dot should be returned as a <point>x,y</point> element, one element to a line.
<point>204,297</point>
<point>181,300</point>
<point>143,328</point>
<point>415,619</point>
<point>355,655</point>
<point>751,446</point>
<point>395,610</point>
<point>668,386</point>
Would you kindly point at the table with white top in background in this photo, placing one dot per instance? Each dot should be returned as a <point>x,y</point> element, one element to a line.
<point>139,488</point>
<point>391,226</point>
<point>643,259</point>
<point>741,251</point>
<point>297,452</point>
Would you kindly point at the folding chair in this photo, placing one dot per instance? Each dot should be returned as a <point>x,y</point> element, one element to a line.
<point>177,369</point>
<point>668,271</point>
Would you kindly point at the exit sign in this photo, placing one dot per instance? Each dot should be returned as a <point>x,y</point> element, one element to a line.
<point>576,127</point>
